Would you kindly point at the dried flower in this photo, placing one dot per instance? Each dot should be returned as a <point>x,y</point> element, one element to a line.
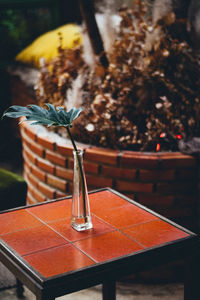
<point>150,86</point>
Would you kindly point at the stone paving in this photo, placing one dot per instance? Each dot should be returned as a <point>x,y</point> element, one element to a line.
<point>125,291</point>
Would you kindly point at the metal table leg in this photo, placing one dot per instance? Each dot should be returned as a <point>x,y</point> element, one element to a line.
<point>192,280</point>
<point>109,290</point>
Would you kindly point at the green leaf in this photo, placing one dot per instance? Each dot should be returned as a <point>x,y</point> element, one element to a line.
<point>40,116</point>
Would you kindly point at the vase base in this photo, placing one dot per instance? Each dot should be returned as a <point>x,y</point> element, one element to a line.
<point>82,223</point>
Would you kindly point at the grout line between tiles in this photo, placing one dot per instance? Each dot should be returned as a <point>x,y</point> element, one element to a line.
<point>70,242</point>
<point>45,249</point>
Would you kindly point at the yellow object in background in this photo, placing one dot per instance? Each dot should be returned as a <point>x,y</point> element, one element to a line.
<point>47,44</point>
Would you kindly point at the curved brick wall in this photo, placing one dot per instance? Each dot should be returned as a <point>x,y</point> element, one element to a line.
<point>165,182</point>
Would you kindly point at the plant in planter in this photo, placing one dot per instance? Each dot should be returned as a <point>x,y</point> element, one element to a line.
<point>81,219</point>
<point>147,96</point>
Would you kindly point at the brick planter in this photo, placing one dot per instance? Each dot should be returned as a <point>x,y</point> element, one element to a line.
<point>164,182</point>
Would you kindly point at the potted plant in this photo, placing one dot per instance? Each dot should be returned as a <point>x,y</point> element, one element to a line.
<point>81,218</point>
<point>146,98</point>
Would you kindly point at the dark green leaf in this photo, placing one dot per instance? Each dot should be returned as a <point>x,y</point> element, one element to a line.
<point>40,116</point>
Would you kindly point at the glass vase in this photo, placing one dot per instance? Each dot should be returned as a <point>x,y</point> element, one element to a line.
<point>81,217</point>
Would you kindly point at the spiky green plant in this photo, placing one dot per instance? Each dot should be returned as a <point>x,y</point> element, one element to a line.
<point>49,117</point>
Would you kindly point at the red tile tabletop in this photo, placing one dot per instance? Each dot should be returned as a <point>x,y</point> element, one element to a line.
<point>57,260</point>
<point>41,239</point>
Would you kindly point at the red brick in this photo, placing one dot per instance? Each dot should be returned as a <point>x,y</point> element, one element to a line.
<point>134,186</point>
<point>22,125</point>
<point>118,172</point>
<point>56,158</point>
<point>139,160</point>
<point>160,200</point>
<point>176,160</point>
<point>29,154</point>
<point>97,181</point>
<point>66,150</point>
<point>70,188</point>
<point>91,167</point>
<point>171,187</point>
<point>25,175</point>
<point>156,175</point>
<point>29,199</point>
<point>64,173</point>
<point>47,190</point>
<point>33,180</point>
<point>173,155</point>
<point>30,189</point>
<point>30,132</point>
<point>25,140</point>
<point>71,163</point>
<point>130,195</point>
<point>59,194</point>
<point>38,173</point>
<point>24,156</point>
<point>45,165</point>
<point>57,182</point>
<point>187,173</point>
<point>33,146</point>
<point>45,142</point>
<point>37,149</point>
<point>37,195</point>
<point>25,170</point>
<point>27,164</point>
<point>177,212</point>
<point>102,155</point>
<point>185,199</point>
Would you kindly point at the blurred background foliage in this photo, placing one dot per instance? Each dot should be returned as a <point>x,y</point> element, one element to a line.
<point>19,27</point>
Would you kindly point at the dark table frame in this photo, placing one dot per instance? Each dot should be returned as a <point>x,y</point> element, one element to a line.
<point>107,273</point>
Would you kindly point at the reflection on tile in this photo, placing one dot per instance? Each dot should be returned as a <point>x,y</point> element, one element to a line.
<point>105,200</point>
<point>33,239</point>
<point>17,220</point>
<point>58,260</point>
<point>154,233</point>
<point>53,211</point>
<point>126,215</point>
<point>65,229</point>
<point>108,246</point>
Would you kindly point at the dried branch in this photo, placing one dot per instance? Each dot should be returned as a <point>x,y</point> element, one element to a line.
<point>87,11</point>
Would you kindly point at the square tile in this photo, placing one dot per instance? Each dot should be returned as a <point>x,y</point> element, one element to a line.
<point>101,201</point>
<point>33,239</point>
<point>154,233</point>
<point>125,216</point>
<point>108,246</point>
<point>64,228</point>
<point>58,260</point>
<point>17,220</point>
<point>52,211</point>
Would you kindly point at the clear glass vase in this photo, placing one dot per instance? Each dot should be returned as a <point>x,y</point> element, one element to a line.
<point>81,217</point>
